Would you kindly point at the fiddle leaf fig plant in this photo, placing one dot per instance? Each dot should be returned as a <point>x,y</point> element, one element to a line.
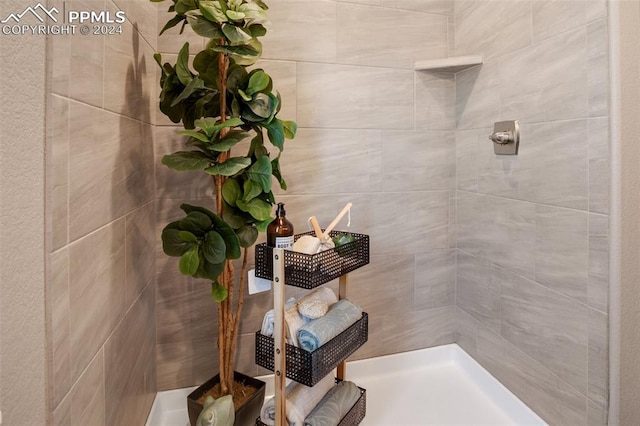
<point>221,103</point>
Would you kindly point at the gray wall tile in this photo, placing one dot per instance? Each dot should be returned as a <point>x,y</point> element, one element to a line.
<point>551,166</point>
<point>553,17</point>
<point>372,36</point>
<point>418,329</point>
<point>558,340</point>
<point>477,292</point>
<point>303,30</point>
<point>547,81</point>
<point>96,291</point>
<point>417,160</point>
<point>58,141</point>
<point>384,286</point>
<point>88,395</point>
<point>550,397</point>
<point>322,161</point>
<point>354,97</point>
<point>129,367</point>
<point>598,291</point>
<point>598,68</point>
<point>478,96</point>
<point>499,230</point>
<point>479,29</point>
<point>140,250</point>
<point>562,250</point>
<point>599,164</point>
<point>435,107</point>
<point>59,322</point>
<point>598,389</point>
<point>110,176</point>
<point>435,279</point>
<point>467,142</point>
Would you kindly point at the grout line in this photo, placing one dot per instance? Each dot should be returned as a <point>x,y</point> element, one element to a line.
<point>535,203</point>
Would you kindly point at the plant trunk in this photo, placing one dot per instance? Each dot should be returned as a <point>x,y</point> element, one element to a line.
<point>228,320</point>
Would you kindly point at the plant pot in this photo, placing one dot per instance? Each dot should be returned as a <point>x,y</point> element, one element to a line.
<point>245,415</point>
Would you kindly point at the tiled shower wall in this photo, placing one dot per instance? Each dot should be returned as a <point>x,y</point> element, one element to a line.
<point>372,132</point>
<point>532,230</point>
<point>101,220</point>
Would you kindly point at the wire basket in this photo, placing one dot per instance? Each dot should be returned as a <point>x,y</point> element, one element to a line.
<point>353,417</point>
<point>312,270</point>
<point>307,367</point>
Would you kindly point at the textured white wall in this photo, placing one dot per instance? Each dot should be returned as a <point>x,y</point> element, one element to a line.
<point>22,137</point>
<point>629,158</point>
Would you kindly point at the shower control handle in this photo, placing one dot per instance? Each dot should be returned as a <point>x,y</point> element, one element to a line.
<point>502,137</point>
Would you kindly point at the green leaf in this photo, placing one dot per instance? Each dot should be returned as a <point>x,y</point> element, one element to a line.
<point>206,64</point>
<point>195,222</point>
<point>182,65</point>
<point>214,248</point>
<point>244,96</point>
<point>231,191</point>
<point>251,190</point>
<point>275,170</point>
<point>187,237</point>
<point>247,235</point>
<point>237,78</point>
<point>190,261</point>
<point>246,50</point>
<point>258,81</point>
<point>275,131</point>
<point>171,22</point>
<point>184,161</point>
<point>230,167</point>
<point>188,208</point>
<point>257,208</point>
<point>229,141</point>
<point>193,85</point>
<point>235,35</point>
<point>257,30</point>
<point>208,270</point>
<point>290,129</point>
<point>211,126</point>
<point>262,226</point>
<point>172,244</point>
<point>218,293</point>
<point>203,26</point>
<point>194,134</point>
<point>261,105</point>
<point>236,16</point>
<point>229,236</point>
<point>212,10</point>
<point>183,6</point>
<point>230,216</point>
<point>260,172</point>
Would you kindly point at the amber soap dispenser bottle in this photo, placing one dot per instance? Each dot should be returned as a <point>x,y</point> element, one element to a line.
<point>280,230</point>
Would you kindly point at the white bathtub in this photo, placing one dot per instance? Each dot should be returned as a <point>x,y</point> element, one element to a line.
<point>435,386</point>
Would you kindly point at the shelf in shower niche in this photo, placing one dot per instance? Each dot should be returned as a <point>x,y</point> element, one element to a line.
<point>451,65</point>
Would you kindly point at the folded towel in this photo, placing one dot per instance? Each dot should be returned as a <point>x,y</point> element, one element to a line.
<point>292,317</point>
<point>341,315</point>
<point>316,304</point>
<point>267,321</point>
<point>301,400</point>
<point>292,322</point>
<point>334,405</point>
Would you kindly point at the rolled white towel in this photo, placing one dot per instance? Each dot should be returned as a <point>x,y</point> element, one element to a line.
<point>301,400</point>
<point>267,321</point>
